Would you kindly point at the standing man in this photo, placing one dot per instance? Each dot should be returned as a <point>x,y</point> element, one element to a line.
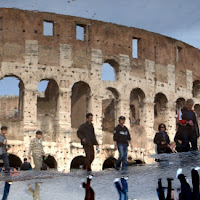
<point>122,139</point>
<point>88,139</point>
<point>4,147</point>
<point>37,150</point>
<point>188,126</point>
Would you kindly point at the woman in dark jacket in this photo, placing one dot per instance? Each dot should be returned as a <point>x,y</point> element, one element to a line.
<point>162,140</point>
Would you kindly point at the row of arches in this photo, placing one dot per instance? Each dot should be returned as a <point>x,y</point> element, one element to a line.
<point>47,105</point>
<point>79,163</point>
<point>15,162</point>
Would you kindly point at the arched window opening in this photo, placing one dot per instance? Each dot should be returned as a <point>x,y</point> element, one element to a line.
<point>11,98</point>
<point>47,103</point>
<point>109,163</point>
<point>160,109</point>
<point>109,71</point>
<point>80,103</point>
<point>137,97</point>
<point>180,103</point>
<point>51,162</point>
<point>78,163</point>
<point>196,89</point>
<point>15,161</point>
<point>110,109</point>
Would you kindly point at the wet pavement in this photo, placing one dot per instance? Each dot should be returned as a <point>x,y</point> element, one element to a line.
<point>142,180</point>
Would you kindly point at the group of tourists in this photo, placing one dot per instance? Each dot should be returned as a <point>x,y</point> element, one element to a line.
<point>187,132</point>
<point>35,149</point>
<point>121,139</point>
<point>184,140</point>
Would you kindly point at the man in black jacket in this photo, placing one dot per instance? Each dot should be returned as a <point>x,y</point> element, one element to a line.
<point>122,138</point>
<point>87,136</point>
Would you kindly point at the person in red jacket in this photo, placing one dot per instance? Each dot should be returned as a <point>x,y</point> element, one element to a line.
<point>188,126</point>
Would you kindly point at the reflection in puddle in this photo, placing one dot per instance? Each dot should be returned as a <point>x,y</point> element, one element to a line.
<point>6,190</point>
<point>142,180</point>
<point>35,192</point>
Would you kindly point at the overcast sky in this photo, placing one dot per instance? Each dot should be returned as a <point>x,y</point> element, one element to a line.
<point>178,19</point>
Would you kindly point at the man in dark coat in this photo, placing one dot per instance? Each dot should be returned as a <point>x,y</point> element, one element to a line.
<point>87,136</point>
<point>188,126</point>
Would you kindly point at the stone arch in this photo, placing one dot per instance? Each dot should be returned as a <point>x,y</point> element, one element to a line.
<point>109,71</point>
<point>196,89</point>
<point>180,103</point>
<point>47,109</point>
<point>137,97</point>
<point>78,163</point>
<point>110,109</point>
<point>160,109</point>
<point>51,162</point>
<point>13,106</point>
<point>80,103</point>
<point>114,65</point>
<point>15,161</point>
<point>109,163</point>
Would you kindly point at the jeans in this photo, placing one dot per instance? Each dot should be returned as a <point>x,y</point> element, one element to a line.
<point>6,191</point>
<point>123,149</point>
<point>122,189</point>
<point>5,159</point>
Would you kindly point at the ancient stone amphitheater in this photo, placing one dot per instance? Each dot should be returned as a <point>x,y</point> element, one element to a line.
<point>151,84</point>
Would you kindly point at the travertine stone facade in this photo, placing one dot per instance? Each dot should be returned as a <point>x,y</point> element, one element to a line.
<point>148,88</point>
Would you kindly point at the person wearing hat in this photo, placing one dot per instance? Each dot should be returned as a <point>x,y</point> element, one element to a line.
<point>37,151</point>
<point>122,139</point>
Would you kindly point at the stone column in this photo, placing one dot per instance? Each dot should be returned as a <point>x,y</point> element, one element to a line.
<point>96,64</point>
<point>148,122</point>
<point>64,108</point>
<point>96,110</point>
<point>189,80</point>
<point>124,110</point>
<point>64,116</point>
<point>124,68</point>
<point>171,116</point>
<point>30,107</point>
<point>171,78</point>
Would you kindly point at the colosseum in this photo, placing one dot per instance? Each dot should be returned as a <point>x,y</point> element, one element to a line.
<point>154,75</point>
